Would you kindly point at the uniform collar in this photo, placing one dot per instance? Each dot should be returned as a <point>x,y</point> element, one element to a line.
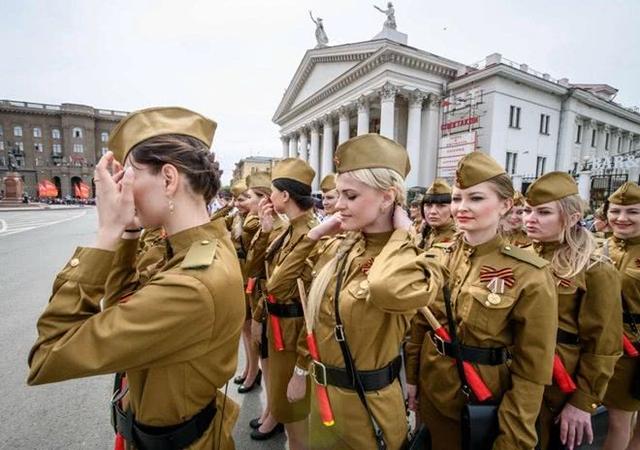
<point>546,249</point>
<point>377,240</point>
<point>483,249</point>
<point>183,240</point>
<point>302,220</point>
<point>630,241</point>
<point>444,228</point>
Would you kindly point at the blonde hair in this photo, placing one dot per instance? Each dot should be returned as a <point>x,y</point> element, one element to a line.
<point>378,178</point>
<point>578,244</point>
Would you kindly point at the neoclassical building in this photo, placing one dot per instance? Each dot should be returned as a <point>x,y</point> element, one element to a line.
<point>440,109</point>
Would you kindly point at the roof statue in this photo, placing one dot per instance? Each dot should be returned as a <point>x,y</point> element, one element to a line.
<point>391,16</point>
<point>321,37</point>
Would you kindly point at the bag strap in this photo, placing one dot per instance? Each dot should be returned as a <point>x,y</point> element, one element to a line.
<point>350,364</point>
<point>455,342</point>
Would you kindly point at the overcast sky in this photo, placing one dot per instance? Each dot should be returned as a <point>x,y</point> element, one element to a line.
<point>232,59</point>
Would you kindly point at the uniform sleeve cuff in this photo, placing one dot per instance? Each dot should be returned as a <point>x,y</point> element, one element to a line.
<point>584,401</point>
<point>88,266</point>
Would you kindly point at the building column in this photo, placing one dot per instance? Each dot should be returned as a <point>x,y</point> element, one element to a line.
<point>343,130</point>
<point>314,153</point>
<point>585,150</point>
<point>414,124</point>
<point>429,156</point>
<point>363,115</point>
<point>566,138</point>
<point>293,146</point>
<point>387,110</point>
<point>327,146</point>
<point>304,155</point>
<point>285,146</point>
<point>584,185</point>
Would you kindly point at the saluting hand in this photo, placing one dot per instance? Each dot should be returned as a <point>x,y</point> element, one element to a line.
<point>401,220</point>
<point>114,201</point>
<point>329,227</point>
<point>265,214</point>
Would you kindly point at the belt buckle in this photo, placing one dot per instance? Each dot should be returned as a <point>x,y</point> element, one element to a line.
<point>438,343</point>
<point>339,333</point>
<point>319,373</point>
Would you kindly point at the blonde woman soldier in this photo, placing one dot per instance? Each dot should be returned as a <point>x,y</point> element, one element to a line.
<point>623,393</point>
<point>329,194</point>
<point>513,225</point>
<point>504,311</point>
<point>436,212</point>
<point>589,340</point>
<point>288,356</point>
<point>361,296</point>
<point>176,333</point>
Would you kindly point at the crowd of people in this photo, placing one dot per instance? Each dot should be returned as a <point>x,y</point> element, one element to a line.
<point>498,318</point>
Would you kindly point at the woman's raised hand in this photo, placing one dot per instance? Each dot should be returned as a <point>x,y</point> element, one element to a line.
<point>329,227</point>
<point>401,220</point>
<point>265,214</point>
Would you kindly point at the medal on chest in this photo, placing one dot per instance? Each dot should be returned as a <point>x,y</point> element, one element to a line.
<point>496,280</point>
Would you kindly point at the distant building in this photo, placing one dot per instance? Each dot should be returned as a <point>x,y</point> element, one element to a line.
<point>252,164</point>
<point>60,143</point>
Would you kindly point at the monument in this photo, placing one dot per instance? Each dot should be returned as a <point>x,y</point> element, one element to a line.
<point>389,28</point>
<point>321,36</point>
<point>13,185</point>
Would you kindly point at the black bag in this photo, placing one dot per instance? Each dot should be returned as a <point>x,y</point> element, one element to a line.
<point>630,319</point>
<point>478,422</point>
<point>421,440</point>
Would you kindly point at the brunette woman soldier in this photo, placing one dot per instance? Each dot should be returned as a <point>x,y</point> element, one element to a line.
<point>288,357</point>
<point>623,394</point>
<point>176,334</point>
<point>361,274</point>
<point>589,338</point>
<point>259,185</point>
<point>436,212</point>
<point>504,310</point>
<point>513,225</point>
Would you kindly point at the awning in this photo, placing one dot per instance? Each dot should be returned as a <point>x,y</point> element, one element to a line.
<point>47,189</point>
<point>81,190</point>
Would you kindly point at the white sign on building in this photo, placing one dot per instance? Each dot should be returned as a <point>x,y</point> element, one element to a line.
<point>452,148</point>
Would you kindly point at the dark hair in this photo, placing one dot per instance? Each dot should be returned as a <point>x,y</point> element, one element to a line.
<point>299,192</point>
<point>189,155</point>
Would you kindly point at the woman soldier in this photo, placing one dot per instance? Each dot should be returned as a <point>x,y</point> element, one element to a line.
<point>354,272</point>
<point>287,382</point>
<point>436,212</point>
<point>504,311</point>
<point>513,226</point>
<point>590,331</point>
<point>329,194</point>
<point>175,335</point>
<point>623,397</point>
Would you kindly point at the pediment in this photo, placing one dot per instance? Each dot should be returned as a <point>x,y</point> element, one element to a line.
<point>320,75</point>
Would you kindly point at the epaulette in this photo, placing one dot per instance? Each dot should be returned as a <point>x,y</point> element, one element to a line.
<point>524,255</point>
<point>200,254</point>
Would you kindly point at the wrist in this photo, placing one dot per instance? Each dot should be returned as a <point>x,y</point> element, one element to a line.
<point>107,240</point>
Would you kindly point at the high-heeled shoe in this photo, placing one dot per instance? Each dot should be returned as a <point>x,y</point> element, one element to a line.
<point>258,435</point>
<point>239,379</point>
<point>244,389</point>
<point>255,423</point>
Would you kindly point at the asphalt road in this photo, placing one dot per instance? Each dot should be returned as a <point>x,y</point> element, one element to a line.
<point>74,414</point>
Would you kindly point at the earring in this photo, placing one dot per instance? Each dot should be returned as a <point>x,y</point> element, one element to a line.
<point>171,206</point>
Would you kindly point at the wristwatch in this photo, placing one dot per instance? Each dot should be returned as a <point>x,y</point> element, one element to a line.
<point>300,372</point>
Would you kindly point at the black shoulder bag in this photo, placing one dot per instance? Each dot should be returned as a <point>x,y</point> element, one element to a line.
<point>479,422</point>
<point>350,364</point>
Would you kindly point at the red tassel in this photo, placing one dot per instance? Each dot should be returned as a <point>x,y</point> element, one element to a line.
<point>326,413</point>
<point>251,284</point>
<point>119,442</point>
<point>629,349</point>
<point>278,342</point>
<point>561,377</point>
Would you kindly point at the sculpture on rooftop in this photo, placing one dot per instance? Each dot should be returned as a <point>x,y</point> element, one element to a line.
<point>391,16</point>
<point>321,37</point>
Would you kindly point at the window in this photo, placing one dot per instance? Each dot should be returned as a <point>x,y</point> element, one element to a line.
<point>593,138</point>
<point>17,131</point>
<point>514,117</point>
<point>606,141</point>
<point>575,168</point>
<point>544,123</point>
<point>579,134</point>
<point>104,136</point>
<point>512,159</point>
<point>78,148</point>
<point>37,132</point>
<point>55,133</point>
<point>77,132</point>
<point>57,149</point>
<point>541,162</point>
<point>20,146</point>
<point>37,146</point>
<point>1,144</point>
<point>105,150</point>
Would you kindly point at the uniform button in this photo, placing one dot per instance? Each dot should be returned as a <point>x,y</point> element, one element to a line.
<point>74,262</point>
<point>205,242</point>
<point>507,247</point>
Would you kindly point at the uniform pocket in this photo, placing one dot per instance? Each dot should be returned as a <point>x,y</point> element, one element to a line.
<point>489,312</point>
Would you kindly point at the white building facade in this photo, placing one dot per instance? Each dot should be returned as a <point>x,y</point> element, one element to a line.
<point>440,109</point>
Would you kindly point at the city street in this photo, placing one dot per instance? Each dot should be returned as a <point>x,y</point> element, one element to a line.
<point>34,245</point>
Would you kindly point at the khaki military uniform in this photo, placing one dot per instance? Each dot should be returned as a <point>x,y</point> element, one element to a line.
<point>518,238</point>
<point>223,212</point>
<point>438,235</point>
<point>625,254</point>
<point>176,336</point>
<point>588,307</point>
<point>376,314</point>
<point>150,249</point>
<point>523,318</point>
<point>250,227</point>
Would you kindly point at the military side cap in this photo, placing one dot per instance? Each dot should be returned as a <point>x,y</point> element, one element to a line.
<point>293,169</point>
<point>438,192</point>
<point>328,183</point>
<point>370,151</point>
<point>147,123</point>
<point>258,180</point>
<point>549,187</point>
<point>238,188</point>
<point>475,168</point>
<point>627,194</point>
